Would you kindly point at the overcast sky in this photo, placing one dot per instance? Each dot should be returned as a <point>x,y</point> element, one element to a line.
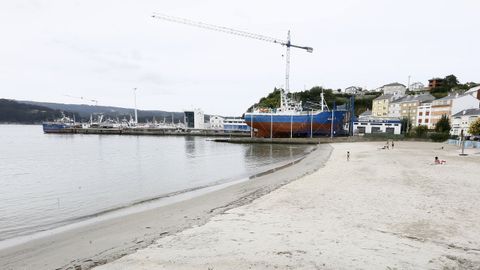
<point>50,50</point>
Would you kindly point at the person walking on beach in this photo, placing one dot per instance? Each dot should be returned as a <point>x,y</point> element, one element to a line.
<point>393,144</point>
<point>348,155</point>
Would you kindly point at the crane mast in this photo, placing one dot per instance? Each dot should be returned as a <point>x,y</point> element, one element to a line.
<point>232,31</point>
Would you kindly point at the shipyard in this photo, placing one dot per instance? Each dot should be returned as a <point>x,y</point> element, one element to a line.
<point>222,135</point>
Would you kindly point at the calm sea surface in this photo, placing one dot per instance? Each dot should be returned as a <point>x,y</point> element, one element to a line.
<point>48,180</point>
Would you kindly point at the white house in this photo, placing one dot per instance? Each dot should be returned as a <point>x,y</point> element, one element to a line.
<point>417,87</point>
<point>353,90</point>
<point>462,120</point>
<point>216,122</point>
<point>396,89</point>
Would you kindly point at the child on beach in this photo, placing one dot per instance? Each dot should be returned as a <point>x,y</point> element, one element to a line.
<point>438,161</point>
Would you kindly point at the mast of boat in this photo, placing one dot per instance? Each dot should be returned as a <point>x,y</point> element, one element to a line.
<point>322,101</point>
<point>135,101</point>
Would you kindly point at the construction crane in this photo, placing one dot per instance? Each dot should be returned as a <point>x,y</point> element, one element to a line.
<point>232,31</point>
<point>83,98</point>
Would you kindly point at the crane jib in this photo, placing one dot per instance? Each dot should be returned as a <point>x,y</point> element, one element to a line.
<point>232,31</point>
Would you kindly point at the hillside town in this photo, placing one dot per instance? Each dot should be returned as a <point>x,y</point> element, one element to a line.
<point>415,105</point>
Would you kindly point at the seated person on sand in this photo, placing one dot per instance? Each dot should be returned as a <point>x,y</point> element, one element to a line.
<point>438,161</point>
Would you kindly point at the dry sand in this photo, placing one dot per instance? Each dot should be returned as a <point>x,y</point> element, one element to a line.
<point>384,209</point>
<point>99,242</point>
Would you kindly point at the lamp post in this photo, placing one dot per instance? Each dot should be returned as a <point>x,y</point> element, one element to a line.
<point>462,141</point>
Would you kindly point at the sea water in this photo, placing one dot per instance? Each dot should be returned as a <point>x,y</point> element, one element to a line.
<point>50,180</point>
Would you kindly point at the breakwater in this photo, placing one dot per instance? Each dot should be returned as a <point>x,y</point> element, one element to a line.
<point>149,131</point>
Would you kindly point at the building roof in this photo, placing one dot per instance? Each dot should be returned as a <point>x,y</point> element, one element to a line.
<point>394,84</point>
<point>385,96</point>
<point>468,112</point>
<point>420,98</point>
<point>366,113</point>
<point>452,97</point>
<point>473,89</point>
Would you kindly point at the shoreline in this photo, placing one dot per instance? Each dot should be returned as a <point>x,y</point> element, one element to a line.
<point>105,240</point>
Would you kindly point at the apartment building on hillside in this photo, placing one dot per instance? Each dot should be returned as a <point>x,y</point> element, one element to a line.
<point>451,105</point>
<point>380,105</point>
<point>407,106</point>
<point>424,115</point>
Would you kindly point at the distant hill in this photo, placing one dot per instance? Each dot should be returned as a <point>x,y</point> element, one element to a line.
<point>12,111</point>
<point>84,111</point>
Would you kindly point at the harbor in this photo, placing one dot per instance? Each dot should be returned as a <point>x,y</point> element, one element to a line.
<point>219,135</point>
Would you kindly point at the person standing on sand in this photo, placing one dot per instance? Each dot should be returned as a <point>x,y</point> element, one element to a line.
<point>348,155</point>
<point>393,144</point>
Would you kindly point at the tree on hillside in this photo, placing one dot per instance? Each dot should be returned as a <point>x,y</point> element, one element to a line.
<point>443,125</point>
<point>272,100</point>
<point>474,127</point>
<point>451,81</point>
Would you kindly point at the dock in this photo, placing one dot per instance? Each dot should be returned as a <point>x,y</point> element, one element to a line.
<point>150,132</point>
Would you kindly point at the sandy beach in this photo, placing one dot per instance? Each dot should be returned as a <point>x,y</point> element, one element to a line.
<point>383,209</point>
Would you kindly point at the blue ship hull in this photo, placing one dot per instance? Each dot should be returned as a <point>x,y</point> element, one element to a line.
<point>296,125</point>
<point>54,127</point>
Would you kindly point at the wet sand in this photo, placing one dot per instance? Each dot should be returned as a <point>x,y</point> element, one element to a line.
<point>97,243</point>
<point>383,209</point>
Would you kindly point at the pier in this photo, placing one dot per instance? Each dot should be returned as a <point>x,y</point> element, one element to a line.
<point>149,131</point>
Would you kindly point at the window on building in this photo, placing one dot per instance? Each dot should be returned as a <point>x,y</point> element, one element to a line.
<point>427,113</point>
<point>420,113</point>
<point>419,121</point>
<point>426,120</point>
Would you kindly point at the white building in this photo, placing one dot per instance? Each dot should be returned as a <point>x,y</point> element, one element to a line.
<point>395,89</point>
<point>377,126</point>
<point>235,124</point>
<point>194,119</point>
<point>394,108</point>
<point>462,120</point>
<point>424,115</point>
<point>417,87</point>
<point>353,90</point>
<point>216,122</point>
